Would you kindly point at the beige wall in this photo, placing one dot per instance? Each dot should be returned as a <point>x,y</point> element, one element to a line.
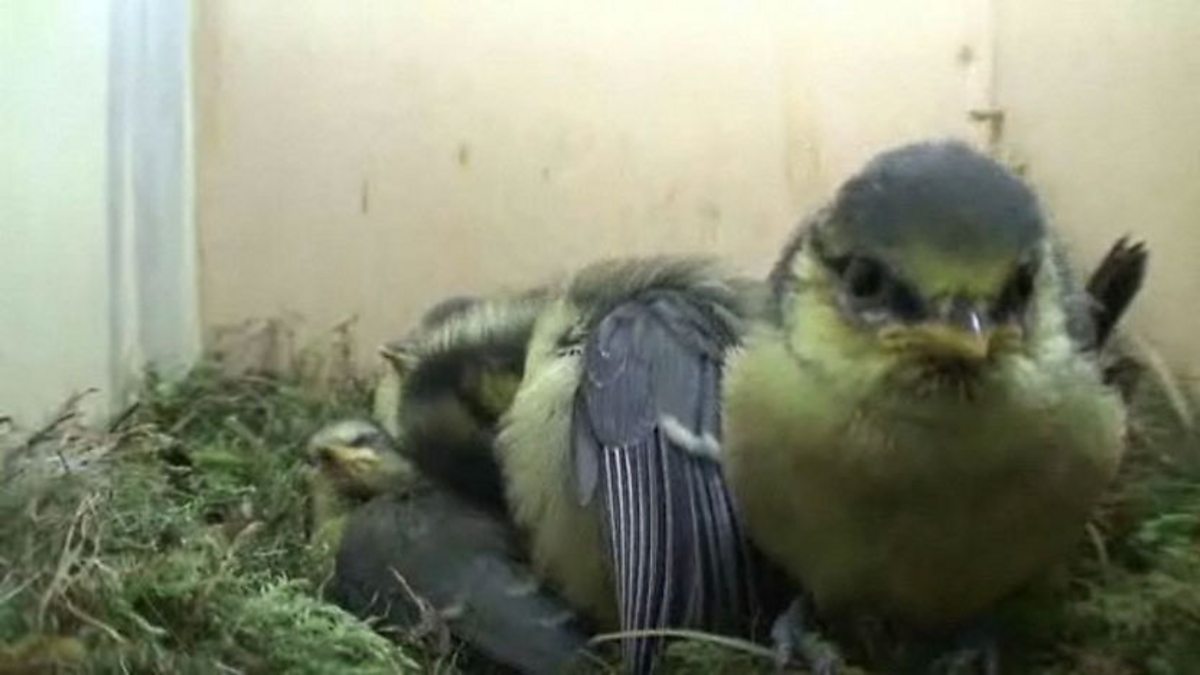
<point>370,157</point>
<point>371,160</point>
<point>1104,105</point>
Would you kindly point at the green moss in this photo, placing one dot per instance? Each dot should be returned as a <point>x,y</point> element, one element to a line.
<point>182,549</point>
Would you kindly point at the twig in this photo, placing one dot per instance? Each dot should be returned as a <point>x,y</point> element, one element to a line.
<point>431,621</point>
<point>66,559</point>
<point>68,411</point>
<point>119,420</point>
<point>144,624</point>
<point>1169,382</point>
<point>16,590</point>
<point>228,669</point>
<point>93,621</point>
<point>1097,541</point>
<point>243,432</point>
<point>736,644</point>
<point>182,422</point>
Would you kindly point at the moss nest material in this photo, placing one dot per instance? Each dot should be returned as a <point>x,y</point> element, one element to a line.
<point>175,541</point>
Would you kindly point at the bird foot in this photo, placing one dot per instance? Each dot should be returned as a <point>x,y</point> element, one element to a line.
<point>795,642</point>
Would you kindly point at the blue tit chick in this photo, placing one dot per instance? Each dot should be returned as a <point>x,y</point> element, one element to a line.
<point>447,385</point>
<point>922,425</point>
<point>412,555</point>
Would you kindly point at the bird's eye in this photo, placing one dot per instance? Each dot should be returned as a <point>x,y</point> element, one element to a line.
<point>871,288</point>
<point>864,278</point>
<point>904,303</point>
<point>1016,294</point>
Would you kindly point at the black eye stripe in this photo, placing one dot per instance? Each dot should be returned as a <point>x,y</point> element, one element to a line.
<point>905,303</point>
<point>865,278</point>
<point>1017,292</point>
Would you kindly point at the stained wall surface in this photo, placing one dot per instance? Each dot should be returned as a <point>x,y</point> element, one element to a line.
<point>368,158</point>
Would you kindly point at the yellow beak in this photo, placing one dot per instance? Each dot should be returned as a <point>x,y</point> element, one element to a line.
<point>965,336</point>
<point>942,340</point>
<point>343,455</point>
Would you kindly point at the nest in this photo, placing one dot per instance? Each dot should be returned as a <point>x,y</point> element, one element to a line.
<point>175,541</point>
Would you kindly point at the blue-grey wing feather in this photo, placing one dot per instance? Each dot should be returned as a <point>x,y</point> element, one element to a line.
<point>649,398</point>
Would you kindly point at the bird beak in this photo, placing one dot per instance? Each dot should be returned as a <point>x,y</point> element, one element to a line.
<point>399,356</point>
<point>961,332</point>
<point>341,455</point>
<point>970,342</point>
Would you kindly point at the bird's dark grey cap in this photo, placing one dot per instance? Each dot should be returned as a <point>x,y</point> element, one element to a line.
<point>939,194</point>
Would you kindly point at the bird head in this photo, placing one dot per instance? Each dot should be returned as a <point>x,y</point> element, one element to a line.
<point>932,254</point>
<point>358,458</point>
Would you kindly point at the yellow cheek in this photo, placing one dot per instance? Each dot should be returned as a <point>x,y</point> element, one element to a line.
<point>497,390</point>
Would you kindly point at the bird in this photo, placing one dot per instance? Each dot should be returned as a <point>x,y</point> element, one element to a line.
<point>349,462</point>
<point>610,456</point>
<point>421,558</point>
<point>446,385</point>
<point>398,358</point>
<point>923,423</point>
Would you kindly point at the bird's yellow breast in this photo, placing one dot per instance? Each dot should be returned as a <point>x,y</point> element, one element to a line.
<point>565,540</point>
<point>926,508</point>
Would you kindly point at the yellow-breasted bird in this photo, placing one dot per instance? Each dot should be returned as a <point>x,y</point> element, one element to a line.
<point>610,450</point>
<point>350,462</point>
<point>399,358</point>
<point>914,424</point>
<point>435,548</point>
<point>448,383</point>
<point>923,424</point>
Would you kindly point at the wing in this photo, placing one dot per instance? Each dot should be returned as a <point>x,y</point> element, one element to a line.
<point>646,444</point>
<point>1114,284</point>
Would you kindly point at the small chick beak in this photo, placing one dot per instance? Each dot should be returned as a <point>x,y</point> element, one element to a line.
<point>967,341</point>
<point>341,455</point>
<point>960,332</point>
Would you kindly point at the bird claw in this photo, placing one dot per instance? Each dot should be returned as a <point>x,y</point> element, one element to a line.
<point>794,642</point>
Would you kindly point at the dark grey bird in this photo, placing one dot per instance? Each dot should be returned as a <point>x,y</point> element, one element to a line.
<point>411,556</point>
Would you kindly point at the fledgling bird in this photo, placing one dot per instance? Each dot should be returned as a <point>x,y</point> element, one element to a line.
<point>418,557</point>
<point>448,383</point>
<point>922,425</point>
<point>350,462</point>
<point>398,356</point>
<point>610,450</point>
